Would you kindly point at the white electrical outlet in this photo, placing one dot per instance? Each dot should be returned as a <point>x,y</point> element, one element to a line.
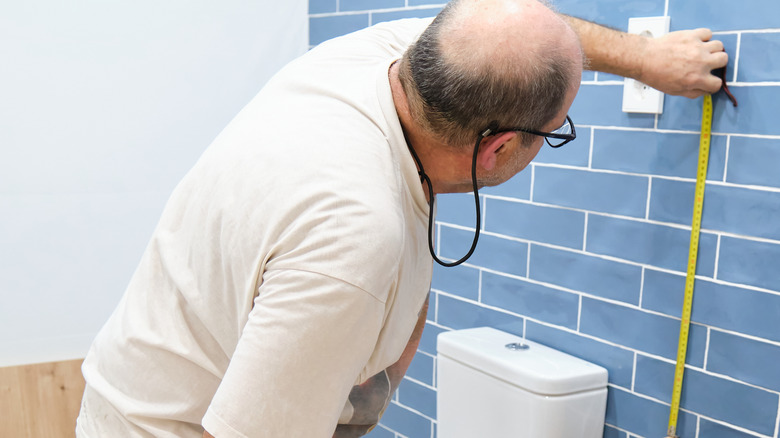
<point>638,97</point>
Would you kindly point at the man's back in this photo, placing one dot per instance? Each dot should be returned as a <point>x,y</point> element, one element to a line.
<point>308,196</point>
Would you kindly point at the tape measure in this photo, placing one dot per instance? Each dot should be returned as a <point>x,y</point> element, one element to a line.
<point>698,206</point>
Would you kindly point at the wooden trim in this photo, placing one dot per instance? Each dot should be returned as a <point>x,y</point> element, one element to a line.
<point>41,400</point>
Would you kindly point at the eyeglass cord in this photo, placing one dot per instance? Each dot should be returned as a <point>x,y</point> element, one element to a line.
<point>431,199</point>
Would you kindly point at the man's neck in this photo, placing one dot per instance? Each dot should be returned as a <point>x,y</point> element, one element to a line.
<point>448,169</point>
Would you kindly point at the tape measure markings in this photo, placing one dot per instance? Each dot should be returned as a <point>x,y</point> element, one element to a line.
<point>698,207</point>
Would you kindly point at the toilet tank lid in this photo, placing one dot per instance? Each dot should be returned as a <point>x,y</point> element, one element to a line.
<point>538,369</point>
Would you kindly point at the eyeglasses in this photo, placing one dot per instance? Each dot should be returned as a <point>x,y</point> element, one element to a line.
<point>556,139</point>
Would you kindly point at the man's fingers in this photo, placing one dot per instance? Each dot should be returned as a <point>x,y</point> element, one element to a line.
<point>703,33</point>
<point>711,84</point>
<point>714,46</point>
<point>718,60</point>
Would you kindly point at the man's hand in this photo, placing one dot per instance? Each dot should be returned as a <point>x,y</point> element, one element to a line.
<point>681,63</point>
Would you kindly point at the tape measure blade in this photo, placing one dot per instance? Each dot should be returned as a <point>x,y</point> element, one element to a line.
<point>690,279</point>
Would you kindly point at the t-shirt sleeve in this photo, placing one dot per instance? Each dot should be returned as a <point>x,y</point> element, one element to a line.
<point>302,349</point>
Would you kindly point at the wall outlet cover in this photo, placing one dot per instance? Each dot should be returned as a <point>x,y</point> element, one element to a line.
<point>638,97</point>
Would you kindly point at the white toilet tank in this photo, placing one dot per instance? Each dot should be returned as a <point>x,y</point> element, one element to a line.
<point>488,390</point>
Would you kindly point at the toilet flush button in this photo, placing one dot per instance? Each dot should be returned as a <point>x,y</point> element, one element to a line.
<point>517,346</point>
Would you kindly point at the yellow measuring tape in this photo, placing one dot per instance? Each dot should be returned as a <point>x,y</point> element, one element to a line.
<point>698,206</point>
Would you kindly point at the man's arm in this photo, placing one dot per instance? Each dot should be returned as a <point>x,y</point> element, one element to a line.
<point>678,63</point>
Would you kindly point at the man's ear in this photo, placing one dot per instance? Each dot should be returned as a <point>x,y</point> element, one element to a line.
<point>491,147</point>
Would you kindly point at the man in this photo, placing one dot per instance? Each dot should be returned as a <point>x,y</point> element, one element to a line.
<point>285,289</point>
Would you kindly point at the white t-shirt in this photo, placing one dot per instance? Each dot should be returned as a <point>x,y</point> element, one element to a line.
<point>289,265</point>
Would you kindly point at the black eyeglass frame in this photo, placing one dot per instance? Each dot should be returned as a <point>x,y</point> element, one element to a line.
<point>547,135</point>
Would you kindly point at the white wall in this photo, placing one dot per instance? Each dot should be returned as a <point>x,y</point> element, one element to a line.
<point>103,108</point>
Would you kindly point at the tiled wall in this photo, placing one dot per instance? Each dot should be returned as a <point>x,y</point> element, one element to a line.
<point>586,250</point>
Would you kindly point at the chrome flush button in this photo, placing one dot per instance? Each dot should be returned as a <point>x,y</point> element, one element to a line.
<point>517,346</point>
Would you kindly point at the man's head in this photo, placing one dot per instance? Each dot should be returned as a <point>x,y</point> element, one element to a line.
<point>481,62</point>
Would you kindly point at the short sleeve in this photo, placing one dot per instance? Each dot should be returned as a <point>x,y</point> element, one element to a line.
<point>305,343</point>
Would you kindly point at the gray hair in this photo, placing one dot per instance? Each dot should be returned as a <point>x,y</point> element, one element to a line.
<point>456,102</point>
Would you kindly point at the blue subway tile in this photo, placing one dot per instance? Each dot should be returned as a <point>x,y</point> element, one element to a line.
<point>417,397</point>
<point>555,226</point>
<point>636,329</point>
<point>324,28</point>
<point>529,299</point>
<point>755,64</point>
<point>611,432</point>
<point>742,211</point>
<point>714,304</point>
<point>755,114</point>
<point>492,252</point>
<point>656,245</point>
<point>518,187</point>
<point>457,208</point>
<point>672,201</point>
<point>426,2</point>
<point>586,273</point>
<point>714,397</point>
<point>595,191</point>
<point>428,341</point>
<point>606,77</point>
<point>380,432</point>
<point>458,315</point>
<point>459,280</point>
<point>613,13</point>
<point>619,362</point>
<point>643,417</point>
<point>322,6</point>
<point>365,5</point>
<point>745,359</point>
<point>378,17</point>
<point>421,368</point>
<point>748,262</point>
<point>575,153</point>
<point>754,161</point>
<point>757,14</point>
<point>603,105</point>
<point>656,153</point>
<point>710,429</point>
<point>406,422</point>
<point>588,76</point>
<point>735,210</point>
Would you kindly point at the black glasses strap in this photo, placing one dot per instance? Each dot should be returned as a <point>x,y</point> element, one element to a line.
<point>431,200</point>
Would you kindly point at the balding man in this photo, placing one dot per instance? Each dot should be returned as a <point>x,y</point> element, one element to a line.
<point>285,288</point>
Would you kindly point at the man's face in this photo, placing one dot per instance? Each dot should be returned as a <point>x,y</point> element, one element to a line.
<point>522,154</point>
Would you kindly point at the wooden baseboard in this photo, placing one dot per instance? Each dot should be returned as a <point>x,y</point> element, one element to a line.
<point>41,400</point>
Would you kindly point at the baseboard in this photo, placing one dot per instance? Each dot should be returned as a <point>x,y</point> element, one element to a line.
<point>41,400</point>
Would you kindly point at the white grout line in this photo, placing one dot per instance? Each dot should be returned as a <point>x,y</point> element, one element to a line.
<point>717,257</point>
<point>590,149</point>
<point>368,11</point>
<point>585,233</point>
<point>726,159</point>
<point>649,192</point>
<point>698,426</point>
<point>619,260</point>
<point>528,261</point>
<point>479,287</point>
